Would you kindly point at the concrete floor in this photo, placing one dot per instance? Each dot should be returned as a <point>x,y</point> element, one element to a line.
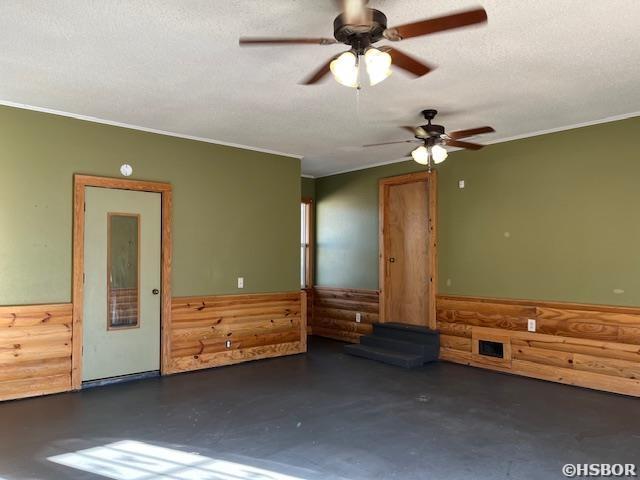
<point>325,415</point>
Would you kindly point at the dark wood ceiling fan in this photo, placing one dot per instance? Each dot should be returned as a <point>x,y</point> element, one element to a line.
<point>432,135</point>
<point>361,27</point>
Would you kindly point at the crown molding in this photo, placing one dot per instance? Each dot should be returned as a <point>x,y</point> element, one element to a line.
<point>88,118</point>
<point>614,118</point>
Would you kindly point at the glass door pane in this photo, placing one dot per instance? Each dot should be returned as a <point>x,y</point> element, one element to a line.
<point>123,276</point>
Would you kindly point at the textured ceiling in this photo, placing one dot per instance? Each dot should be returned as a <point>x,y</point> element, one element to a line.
<point>176,66</point>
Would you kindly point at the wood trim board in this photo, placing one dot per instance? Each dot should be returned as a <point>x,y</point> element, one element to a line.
<point>35,350</point>
<point>334,312</point>
<point>80,184</point>
<point>210,331</point>
<point>592,346</point>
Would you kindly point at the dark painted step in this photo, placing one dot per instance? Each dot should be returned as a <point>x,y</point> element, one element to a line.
<point>400,359</point>
<point>428,351</point>
<point>407,333</point>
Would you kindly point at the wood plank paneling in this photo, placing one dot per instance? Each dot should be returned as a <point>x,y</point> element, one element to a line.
<point>334,313</point>
<point>257,325</point>
<point>585,345</point>
<point>35,350</point>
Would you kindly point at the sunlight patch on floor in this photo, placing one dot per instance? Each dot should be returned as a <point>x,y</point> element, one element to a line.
<point>132,460</point>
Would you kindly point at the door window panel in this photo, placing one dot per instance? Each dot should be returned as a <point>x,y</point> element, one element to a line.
<point>123,271</point>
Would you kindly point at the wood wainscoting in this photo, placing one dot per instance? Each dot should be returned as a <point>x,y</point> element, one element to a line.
<point>257,325</point>
<point>35,350</point>
<point>591,346</point>
<point>334,312</point>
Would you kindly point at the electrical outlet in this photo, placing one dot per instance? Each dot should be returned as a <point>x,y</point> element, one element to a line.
<point>358,317</point>
<point>531,325</point>
<point>227,344</point>
<point>240,282</point>
<point>460,183</point>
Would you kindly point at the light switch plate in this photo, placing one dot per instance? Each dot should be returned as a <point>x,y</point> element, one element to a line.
<point>358,317</point>
<point>227,344</point>
<point>240,282</point>
<point>531,325</point>
<point>460,183</point>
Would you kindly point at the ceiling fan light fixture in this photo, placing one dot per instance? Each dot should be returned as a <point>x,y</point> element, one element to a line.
<point>421,155</point>
<point>345,69</point>
<point>439,153</point>
<point>378,65</point>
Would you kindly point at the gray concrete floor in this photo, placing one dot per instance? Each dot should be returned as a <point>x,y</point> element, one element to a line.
<point>328,415</point>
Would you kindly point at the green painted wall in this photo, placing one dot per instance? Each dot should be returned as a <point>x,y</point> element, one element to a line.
<point>308,186</point>
<point>236,212</point>
<point>553,217</point>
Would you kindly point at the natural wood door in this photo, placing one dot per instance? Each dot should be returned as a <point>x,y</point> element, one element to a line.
<point>407,250</point>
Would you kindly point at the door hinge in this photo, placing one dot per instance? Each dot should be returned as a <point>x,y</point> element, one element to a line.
<point>85,206</point>
<point>84,276</point>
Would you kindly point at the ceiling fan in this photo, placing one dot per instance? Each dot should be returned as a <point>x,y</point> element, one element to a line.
<point>361,27</point>
<point>434,138</point>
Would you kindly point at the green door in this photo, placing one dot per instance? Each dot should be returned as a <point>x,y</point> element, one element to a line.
<point>122,247</point>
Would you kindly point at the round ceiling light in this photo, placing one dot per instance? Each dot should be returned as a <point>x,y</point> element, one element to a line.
<point>126,170</point>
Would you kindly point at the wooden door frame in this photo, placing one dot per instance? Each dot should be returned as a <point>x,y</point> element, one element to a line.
<point>80,182</point>
<point>431,178</point>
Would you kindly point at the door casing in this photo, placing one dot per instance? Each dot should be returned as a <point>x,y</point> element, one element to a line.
<point>80,183</point>
<point>432,258</point>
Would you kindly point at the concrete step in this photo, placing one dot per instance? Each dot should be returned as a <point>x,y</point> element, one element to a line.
<point>392,357</point>
<point>428,351</point>
<point>407,333</point>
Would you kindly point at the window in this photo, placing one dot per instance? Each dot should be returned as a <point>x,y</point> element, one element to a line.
<point>306,244</point>
<point>123,272</point>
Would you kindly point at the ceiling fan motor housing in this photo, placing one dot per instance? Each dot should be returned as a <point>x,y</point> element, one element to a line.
<point>360,35</point>
<point>433,130</point>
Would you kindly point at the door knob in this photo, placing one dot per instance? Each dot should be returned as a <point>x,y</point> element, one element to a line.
<point>155,291</point>
<point>392,259</point>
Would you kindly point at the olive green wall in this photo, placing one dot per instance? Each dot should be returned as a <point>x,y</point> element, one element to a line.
<point>236,212</point>
<point>308,186</point>
<point>552,217</point>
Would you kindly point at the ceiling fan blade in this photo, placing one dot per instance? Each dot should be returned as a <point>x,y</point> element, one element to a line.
<point>319,74</point>
<point>410,64</point>
<point>467,145</point>
<point>263,41</point>
<point>439,24</point>
<point>470,132</point>
<point>416,131</point>
<point>387,143</point>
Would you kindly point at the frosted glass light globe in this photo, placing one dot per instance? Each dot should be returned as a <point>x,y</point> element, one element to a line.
<point>378,65</point>
<point>421,155</point>
<point>345,69</point>
<point>439,153</point>
<point>126,170</point>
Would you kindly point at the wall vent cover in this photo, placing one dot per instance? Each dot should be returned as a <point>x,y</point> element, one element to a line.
<point>491,349</point>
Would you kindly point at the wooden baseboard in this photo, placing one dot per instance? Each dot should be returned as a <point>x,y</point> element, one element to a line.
<point>35,350</point>
<point>256,325</point>
<point>589,346</point>
<point>36,340</point>
<point>334,312</point>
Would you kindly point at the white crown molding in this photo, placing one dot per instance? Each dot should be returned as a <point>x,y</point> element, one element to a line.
<point>88,118</point>
<point>614,118</point>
